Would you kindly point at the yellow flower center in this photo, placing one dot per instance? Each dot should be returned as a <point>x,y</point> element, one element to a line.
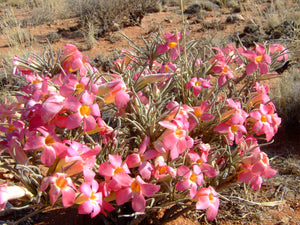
<point>11,128</point>
<point>199,161</point>
<point>179,132</point>
<point>193,177</point>
<point>225,69</point>
<point>259,58</point>
<point>198,83</point>
<point>118,170</point>
<point>172,44</point>
<point>79,88</point>
<point>49,141</point>
<point>85,110</point>
<point>61,182</point>
<point>93,197</point>
<point>166,69</point>
<point>263,119</point>
<point>234,128</point>
<point>198,112</point>
<point>142,158</point>
<point>35,81</point>
<point>135,187</point>
<point>210,197</point>
<point>162,169</point>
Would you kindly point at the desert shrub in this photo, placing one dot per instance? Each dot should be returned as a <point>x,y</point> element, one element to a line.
<point>47,11</point>
<point>105,14</point>
<point>168,127</point>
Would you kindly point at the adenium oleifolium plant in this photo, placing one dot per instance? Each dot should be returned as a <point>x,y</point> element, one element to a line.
<point>157,130</point>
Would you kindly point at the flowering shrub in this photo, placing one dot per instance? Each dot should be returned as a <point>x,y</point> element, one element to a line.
<point>166,126</point>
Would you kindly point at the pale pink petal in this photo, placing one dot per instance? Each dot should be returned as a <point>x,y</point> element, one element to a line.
<point>53,194</point>
<point>85,208</point>
<point>72,103</point>
<point>95,110</point>
<point>138,203</point>
<point>182,185</point>
<point>256,182</point>
<point>85,188</point>
<point>96,210</point>
<point>115,160</point>
<point>212,211</point>
<point>183,171</point>
<point>222,128</point>
<point>106,169</point>
<point>34,142</point>
<point>48,156</point>
<point>174,53</point>
<point>133,160</point>
<point>269,172</point>
<point>87,98</point>
<point>263,68</point>
<point>51,107</point>
<point>123,196</point>
<point>73,121</point>
<point>202,202</point>
<point>162,48</point>
<point>68,196</point>
<point>168,125</point>
<point>145,170</point>
<point>149,189</point>
<point>209,170</point>
<point>123,179</point>
<point>144,145</point>
<point>89,123</point>
<point>121,99</point>
<point>245,176</point>
<point>251,68</point>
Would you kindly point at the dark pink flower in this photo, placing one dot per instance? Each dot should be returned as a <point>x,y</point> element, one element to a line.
<point>172,45</point>
<point>258,60</point>
<point>197,84</point>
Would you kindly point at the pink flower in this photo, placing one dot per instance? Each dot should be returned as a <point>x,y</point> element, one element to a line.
<point>116,170</point>
<point>206,198</point>
<point>197,84</point>
<point>60,184</point>
<point>265,121</point>
<point>75,86</point>
<point>223,69</point>
<point>281,51</point>
<point>258,59</point>
<point>92,200</point>
<point>259,96</point>
<point>171,45</point>
<point>49,143</point>
<point>233,129</point>
<point>79,158</point>
<point>175,138</point>
<point>140,159</point>
<point>165,68</point>
<point>254,167</point>
<point>71,59</point>
<point>136,190</point>
<point>84,111</point>
<point>191,179</point>
<point>207,169</point>
<point>161,169</point>
<point>114,91</point>
<point>201,113</point>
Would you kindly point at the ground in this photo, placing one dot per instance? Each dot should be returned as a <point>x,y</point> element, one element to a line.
<point>279,200</point>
